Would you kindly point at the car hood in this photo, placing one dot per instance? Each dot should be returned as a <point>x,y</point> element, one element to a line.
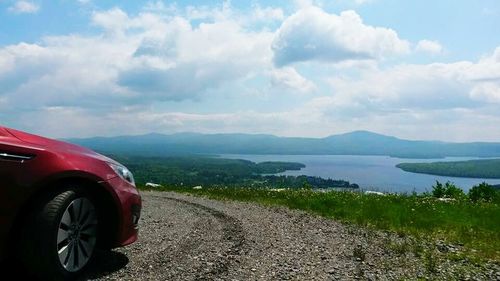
<point>59,146</point>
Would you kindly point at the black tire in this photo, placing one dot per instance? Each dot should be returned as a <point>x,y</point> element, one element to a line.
<point>40,251</point>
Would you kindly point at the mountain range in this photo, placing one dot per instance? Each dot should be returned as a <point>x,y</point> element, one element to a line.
<point>353,143</point>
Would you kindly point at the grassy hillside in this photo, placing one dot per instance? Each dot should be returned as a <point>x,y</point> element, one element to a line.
<point>488,168</point>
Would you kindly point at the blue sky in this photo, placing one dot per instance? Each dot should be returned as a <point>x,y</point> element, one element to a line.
<point>413,69</point>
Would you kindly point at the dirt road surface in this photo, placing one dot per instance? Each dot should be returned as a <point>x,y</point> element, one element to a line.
<point>192,238</point>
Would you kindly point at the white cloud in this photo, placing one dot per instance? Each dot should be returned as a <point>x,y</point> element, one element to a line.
<point>408,86</point>
<point>318,118</point>
<point>301,4</point>
<point>496,55</point>
<point>223,63</point>
<point>159,6</point>
<point>425,88</point>
<point>139,121</point>
<point>114,20</point>
<point>487,91</point>
<point>137,59</point>
<point>24,7</point>
<point>312,34</point>
<point>268,14</point>
<point>217,13</point>
<point>182,62</point>
<point>288,79</point>
<point>428,46</point>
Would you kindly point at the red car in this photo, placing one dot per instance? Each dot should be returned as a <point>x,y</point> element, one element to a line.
<point>59,202</point>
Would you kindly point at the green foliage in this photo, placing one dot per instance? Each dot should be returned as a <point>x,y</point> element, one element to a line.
<point>215,171</point>
<point>473,225</point>
<point>484,193</point>
<point>306,185</point>
<point>449,190</point>
<point>307,182</point>
<point>438,190</point>
<point>489,168</point>
<point>273,167</point>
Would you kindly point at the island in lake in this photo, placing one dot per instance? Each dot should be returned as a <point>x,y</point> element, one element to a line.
<point>485,168</point>
<point>216,172</point>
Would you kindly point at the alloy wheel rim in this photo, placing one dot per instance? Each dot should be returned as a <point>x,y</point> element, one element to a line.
<point>76,236</point>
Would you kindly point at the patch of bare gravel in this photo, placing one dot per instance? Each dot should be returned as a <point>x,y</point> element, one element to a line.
<point>192,238</point>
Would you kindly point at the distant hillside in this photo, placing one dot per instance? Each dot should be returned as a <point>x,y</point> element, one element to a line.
<point>354,143</point>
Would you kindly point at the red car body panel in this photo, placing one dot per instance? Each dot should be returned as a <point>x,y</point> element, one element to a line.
<point>52,160</point>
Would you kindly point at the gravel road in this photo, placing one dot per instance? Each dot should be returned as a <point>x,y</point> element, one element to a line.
<point>193,238</point>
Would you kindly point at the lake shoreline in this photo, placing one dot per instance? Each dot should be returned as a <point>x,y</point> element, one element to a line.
<point>372,172</point>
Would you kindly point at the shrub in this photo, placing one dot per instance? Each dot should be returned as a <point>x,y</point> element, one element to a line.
<point>449,190</point>
<point>438,190</point>
<point>306,185</point>
<point>483,193</point>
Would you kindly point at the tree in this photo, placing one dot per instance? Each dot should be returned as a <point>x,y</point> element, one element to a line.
<point>306,185</point>
<point>483,193</point>
<point>449,190</point>
<point>438,190</point>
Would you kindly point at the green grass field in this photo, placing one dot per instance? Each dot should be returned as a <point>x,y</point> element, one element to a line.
<point>476,226</point>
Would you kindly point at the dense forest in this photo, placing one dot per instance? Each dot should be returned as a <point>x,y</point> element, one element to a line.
<point>487,168</point>
<point>215,171</point>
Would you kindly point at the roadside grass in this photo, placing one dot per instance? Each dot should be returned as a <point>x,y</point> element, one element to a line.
<point>476,226</point>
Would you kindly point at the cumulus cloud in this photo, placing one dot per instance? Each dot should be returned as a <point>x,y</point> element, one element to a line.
<point>288,79</point>
<point>136,59</point>
<point>24,7</point>
<point>488,91</point>
<point>313,34</point>
<point>435,86</point>
<point>241,69</point>
<point>268,14</point>
<point>66,70</point>
<point>301,4</point>
<point>160,6</point>
<point>408,86</point>
<point>428,46</point>
<point>113,20</point>
<point>450,101</point>
<point>148,58</point>
<point>190,60</point>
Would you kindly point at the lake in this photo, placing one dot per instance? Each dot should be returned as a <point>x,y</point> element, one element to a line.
<point>369,172</point>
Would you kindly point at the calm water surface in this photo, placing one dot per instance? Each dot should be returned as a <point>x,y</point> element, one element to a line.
<point>370,172</point>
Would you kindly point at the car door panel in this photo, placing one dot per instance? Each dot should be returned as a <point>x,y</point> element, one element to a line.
<point>13,173</point>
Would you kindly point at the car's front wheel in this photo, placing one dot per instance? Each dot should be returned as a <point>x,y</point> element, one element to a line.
<point>61,235</point>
